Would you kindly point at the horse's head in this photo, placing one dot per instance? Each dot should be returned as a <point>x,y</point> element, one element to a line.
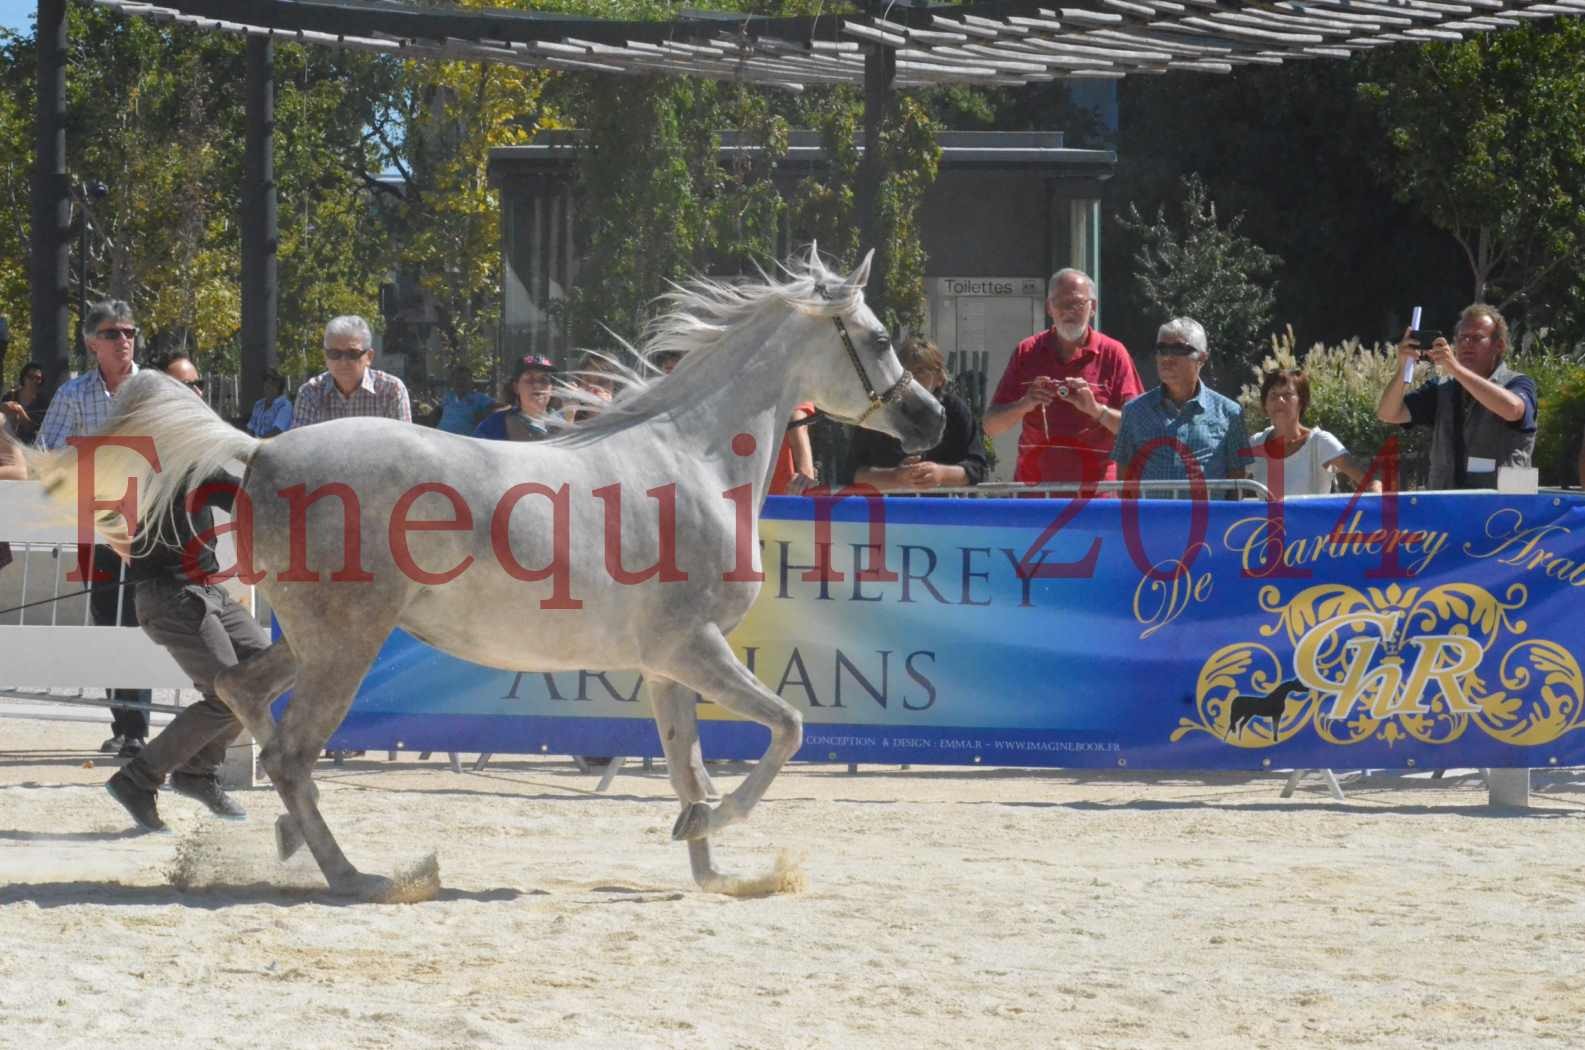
<point>858,378</point>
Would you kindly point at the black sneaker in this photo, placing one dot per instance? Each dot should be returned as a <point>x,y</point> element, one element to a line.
<point>208,791</point>
<point>131,747</point>
<point>113,745</point>
<point>139,802</point>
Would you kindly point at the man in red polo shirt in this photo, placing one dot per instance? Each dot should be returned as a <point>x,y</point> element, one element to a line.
<point>1068,385</point>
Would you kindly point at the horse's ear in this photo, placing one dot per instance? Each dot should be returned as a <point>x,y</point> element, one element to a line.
<point>860,277</point>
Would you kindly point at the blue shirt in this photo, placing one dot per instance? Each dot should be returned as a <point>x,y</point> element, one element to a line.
<point>459,415</point>
<point>1208,428</point>
<point>270,417</point>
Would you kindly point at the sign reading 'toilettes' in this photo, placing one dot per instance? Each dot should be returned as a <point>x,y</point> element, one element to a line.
<point>1020,287</point>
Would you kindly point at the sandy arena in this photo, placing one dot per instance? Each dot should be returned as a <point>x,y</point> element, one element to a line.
<point>944,908</point>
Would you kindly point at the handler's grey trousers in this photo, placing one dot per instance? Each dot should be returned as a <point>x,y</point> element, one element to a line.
<point>206,631</point>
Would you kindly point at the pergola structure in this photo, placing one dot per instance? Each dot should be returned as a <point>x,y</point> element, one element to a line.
<point>878,44</point>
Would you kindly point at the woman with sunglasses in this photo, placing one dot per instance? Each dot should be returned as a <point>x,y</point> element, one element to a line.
<point>533,381</point>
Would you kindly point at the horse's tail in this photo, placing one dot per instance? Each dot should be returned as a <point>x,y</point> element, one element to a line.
<point>159,437</point>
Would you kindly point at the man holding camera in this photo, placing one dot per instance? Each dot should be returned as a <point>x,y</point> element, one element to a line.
<point>1482,413</point>
<point>1065,386</point>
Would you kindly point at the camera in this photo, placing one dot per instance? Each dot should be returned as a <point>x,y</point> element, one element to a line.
<point>1425,338</point>
<point>1063,390</point>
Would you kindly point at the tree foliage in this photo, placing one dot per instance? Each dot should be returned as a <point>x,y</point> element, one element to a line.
<point>656,201</point>
<point>1290,148</point>
<point>1202,268</point>
<point>1487,138</point>
<point>434,126</point>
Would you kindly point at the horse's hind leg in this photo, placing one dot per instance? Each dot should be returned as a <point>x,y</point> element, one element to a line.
<point>248,689</point>
<point>250,686</point>
<point>324,693</point>
<point>677,721</point>
<point>709,667</point>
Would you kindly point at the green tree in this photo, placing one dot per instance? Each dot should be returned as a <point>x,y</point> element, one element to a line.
<point>1291,148</point>
<point>1206,270</point>
<point>434,125</point>
<point>824,206</point>
<point>1487,138</point>
<point>657,202</point>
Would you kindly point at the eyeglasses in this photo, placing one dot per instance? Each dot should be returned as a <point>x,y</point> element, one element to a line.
<point>129,333</point>
<point>1176,349</point>
<point>345,355</point>
<point>1070,306</point>
<point>193,384</point>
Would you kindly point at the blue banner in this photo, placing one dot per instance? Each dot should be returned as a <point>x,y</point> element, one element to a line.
<point>1417,630</point>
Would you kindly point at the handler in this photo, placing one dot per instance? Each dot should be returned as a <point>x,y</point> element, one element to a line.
<point>205,629</point>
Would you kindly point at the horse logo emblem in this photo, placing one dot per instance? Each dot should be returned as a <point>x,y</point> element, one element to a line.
<point>1390,664</point>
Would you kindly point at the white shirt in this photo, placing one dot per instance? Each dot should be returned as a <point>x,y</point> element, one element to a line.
<point>1304,471</point>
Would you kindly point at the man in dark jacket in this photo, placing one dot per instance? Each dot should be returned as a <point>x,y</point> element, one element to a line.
<point>205,629</point>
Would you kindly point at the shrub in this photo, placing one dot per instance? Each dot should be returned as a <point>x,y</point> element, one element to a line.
<point>1346,381</point>
<point>1560,410</point>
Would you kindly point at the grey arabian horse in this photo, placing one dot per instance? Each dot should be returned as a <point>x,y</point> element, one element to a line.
<point>629,542</point>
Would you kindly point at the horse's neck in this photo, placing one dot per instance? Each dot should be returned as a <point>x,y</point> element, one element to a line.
<point>748,388</point>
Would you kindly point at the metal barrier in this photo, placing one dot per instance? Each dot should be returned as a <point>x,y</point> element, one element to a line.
<point>1239,488</point>
<point>54,643</point>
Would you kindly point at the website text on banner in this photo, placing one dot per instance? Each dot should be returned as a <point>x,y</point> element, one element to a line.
<point>1425,631</point>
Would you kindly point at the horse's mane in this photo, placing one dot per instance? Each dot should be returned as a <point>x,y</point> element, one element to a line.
<point>702,316</point>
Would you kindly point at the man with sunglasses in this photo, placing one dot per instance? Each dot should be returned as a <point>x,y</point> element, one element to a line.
<point>1064,388</point>
<point>1482,414</point>
<point>349,386</point>
<point>81,407</point>
<point>1182,419</point>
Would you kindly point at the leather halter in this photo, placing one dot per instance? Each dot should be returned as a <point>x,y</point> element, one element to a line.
<point>877,399</point>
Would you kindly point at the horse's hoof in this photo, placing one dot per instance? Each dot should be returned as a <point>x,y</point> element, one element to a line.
<point>374,889</point>
<point>288,836</point>
<point>692,823</point>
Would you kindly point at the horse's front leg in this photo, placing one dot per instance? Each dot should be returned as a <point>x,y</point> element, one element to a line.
<point>709,667</point>
<point>677,722</point>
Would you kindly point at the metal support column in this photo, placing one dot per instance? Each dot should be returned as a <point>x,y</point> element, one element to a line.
<point>880,72</point>
<point>50,237</point>
<point>260,236</point>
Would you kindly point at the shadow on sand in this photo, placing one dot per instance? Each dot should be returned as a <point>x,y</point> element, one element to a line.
<point>211,896</point>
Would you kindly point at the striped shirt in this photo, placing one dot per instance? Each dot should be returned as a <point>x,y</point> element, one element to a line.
<point>380,394</point>
<point>81,406</point>
<point>1208,428</point>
